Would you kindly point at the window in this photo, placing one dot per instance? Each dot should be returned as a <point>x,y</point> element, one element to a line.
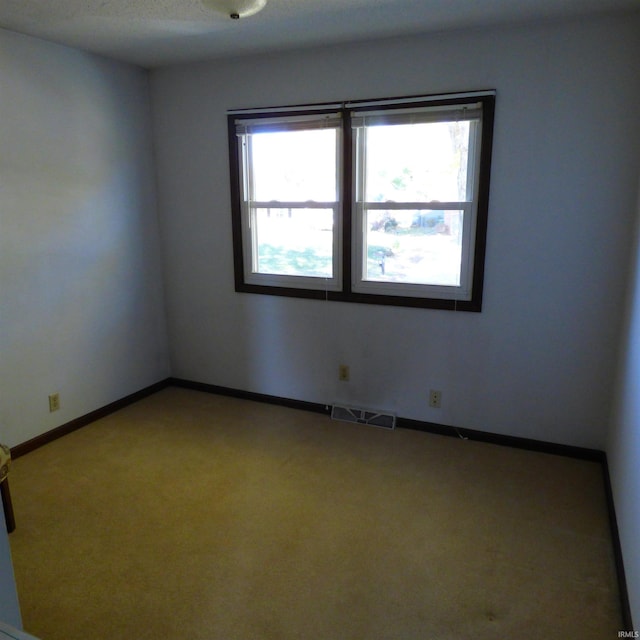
<point>380,202</point>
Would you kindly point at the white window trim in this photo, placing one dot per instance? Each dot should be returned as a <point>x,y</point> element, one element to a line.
<point>359,283</point>
<point>249,206</point>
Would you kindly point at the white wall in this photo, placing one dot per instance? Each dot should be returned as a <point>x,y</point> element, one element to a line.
<point>538,362</point>
<point>81,300</point>
<point>9,607</point>
<point>623,450</point>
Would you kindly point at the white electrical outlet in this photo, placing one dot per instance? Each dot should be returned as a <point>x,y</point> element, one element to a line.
<point>343,373</point>
<point>54,402</point>
<point>435,399</point>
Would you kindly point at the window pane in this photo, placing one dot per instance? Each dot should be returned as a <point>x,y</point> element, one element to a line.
<point>422,162</point>
<point>391,211</point>
<point>413,247</point>
<point>296,242</point>
<point>294,166</point>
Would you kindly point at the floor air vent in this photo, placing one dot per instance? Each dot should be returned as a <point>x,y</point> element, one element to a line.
<point>363,416</point>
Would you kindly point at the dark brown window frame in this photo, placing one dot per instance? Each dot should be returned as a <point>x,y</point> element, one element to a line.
<point>474,304</point>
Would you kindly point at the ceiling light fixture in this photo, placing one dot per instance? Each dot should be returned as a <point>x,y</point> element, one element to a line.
<point>236,9</point>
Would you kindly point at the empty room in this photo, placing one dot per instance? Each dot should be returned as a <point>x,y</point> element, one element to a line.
<point>217,426</point>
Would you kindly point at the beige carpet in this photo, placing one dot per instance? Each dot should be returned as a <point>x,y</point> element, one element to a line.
<point>194,516</point>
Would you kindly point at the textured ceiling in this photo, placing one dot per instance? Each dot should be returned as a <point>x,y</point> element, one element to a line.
<point>158,32</point>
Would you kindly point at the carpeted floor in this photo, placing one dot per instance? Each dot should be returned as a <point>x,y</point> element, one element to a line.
<point>189,515</point>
